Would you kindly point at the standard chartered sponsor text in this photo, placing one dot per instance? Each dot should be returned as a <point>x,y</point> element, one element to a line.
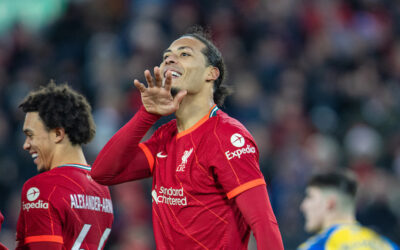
<point>170,196</point>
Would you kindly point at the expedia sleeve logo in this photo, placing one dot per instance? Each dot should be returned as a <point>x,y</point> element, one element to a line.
<point>32,195</point>
<point>238,141</point>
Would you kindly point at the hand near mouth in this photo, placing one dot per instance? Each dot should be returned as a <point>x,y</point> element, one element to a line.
<point>157,97</point>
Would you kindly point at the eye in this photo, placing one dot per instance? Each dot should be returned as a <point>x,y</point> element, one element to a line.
<point>165,57</point>
<point>185,54</point>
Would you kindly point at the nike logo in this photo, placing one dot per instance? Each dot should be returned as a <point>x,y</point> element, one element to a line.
<point>160,155</point>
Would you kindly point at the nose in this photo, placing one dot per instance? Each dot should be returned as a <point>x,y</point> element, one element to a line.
<point>26,145</point>
<point>302,206</point>
<point>170,59</point>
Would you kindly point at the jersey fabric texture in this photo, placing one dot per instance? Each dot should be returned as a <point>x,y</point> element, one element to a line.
<point>196,173</point>
<point>348,237</point>
<point>66,206</point>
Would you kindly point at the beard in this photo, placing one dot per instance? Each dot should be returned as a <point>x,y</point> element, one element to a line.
<point>175,91</point>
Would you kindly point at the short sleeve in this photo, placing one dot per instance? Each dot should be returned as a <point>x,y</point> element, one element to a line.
<point>234,157</point>
<point>38,220</point>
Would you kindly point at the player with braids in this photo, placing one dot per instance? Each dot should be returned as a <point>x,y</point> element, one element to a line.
<point>62,207</point>
<point>204,164</point>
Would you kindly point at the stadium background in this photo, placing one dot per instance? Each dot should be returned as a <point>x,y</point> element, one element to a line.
<point>317,82</point>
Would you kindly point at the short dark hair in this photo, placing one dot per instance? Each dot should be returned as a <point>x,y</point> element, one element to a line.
<point>59,106</point>
<point>342,182</point>
<point>214,58</point>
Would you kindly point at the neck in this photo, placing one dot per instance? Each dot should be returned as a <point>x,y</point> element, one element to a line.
<point>66,153</point>
<point>339,218</point>
<point>191,110</point>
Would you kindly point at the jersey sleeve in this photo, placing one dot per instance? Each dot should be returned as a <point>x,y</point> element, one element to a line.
<point>156,143</point>
<point>234,157</point>
<point>39,220</point>
<point>122,159</point>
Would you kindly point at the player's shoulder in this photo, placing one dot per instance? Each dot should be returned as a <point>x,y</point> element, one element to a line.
<point>229,131</point>
<point>355,233</point>
<point>38,187</point>
<point>43,180</point>
<point>318,241</point>
<point>167,128</point>
<point>227,125</point>
<point>57,178</point>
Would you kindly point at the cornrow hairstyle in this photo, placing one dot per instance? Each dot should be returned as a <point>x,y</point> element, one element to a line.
<point>59,106</point>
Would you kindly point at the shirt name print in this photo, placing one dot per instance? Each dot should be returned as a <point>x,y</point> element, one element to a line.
<point>82,201</point>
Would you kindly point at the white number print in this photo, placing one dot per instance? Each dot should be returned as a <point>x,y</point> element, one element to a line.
<point>83,233</point>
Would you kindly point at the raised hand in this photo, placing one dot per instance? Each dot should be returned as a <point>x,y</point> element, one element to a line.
<point>157,97</point>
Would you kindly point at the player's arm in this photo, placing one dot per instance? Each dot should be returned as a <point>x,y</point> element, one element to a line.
<point>2,247</point>
<point>122,159</point>
<point>260,217</point>
<point>39,224</point>
<point>41,246</point>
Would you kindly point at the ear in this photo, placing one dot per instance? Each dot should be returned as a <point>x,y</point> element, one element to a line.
<point>213,74</point>
<point>331,202</point>
<point>58,135</point>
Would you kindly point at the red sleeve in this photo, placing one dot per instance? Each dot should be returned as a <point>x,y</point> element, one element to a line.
<point>122,159</point>
<point>41,246</point>
<point>39,218</point>
<point>260,217</point>
<point>2,247</point>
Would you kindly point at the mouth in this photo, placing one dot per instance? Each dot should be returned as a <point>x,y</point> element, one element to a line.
<point>174,73</point>
<point>34,155</point>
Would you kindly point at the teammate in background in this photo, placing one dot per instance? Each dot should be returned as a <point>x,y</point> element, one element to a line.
<point>208,191</point>
<point>62,207</point>
<point>329,211</point>
<point>2,247</point>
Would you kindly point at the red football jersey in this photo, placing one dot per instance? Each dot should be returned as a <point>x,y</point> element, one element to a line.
<point>65,205</point>
<point>195,174</point>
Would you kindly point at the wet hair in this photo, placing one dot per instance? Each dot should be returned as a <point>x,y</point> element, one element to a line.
<point>214,58</point>
<point>342,182</point>
<point>59,106</point>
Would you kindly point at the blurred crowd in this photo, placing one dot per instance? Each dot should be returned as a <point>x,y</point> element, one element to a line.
<point>317,83</point>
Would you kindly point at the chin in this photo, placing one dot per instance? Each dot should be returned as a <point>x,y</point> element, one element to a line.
<point>312,229</point>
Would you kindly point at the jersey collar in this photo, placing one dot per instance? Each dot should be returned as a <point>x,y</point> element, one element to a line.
<point>211,113</point>
<point>85,167</point>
